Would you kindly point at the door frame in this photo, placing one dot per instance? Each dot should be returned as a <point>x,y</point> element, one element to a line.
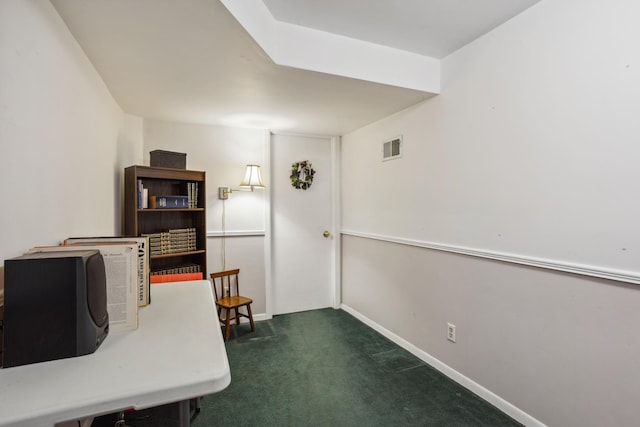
<point>336,232</point>
<point>334,229</point>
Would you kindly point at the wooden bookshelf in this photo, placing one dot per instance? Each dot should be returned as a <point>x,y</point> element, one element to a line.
<point>167,182</point>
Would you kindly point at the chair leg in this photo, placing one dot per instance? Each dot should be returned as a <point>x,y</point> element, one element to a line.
<point>227,326</point>
<point>253,327</point>
<point>237,317</point>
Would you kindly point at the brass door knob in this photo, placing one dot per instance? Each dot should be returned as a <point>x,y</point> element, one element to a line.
<point>326,233</point>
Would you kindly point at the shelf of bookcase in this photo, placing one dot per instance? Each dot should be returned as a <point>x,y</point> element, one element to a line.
<point>148,210</point>
<point>178,254</point>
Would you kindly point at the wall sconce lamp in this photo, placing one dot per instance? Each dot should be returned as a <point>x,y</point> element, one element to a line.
<point>251,180</point>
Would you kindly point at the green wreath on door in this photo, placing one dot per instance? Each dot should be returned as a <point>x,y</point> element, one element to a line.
<point>302,175</point>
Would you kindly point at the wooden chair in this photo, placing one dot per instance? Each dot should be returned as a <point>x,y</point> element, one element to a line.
<point>228,298</point>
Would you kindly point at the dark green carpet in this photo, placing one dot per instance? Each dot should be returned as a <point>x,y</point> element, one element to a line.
<point>326,368</point>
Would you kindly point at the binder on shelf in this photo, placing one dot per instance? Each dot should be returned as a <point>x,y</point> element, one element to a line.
<point>169,202</point>
<point>140,191</point>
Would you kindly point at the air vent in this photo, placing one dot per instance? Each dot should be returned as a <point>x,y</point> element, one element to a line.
<point>392,149</point>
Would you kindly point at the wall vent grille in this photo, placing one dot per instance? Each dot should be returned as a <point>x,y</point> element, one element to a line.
<point>392,149</point>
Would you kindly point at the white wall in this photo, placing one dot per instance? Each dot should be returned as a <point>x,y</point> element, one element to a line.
<point>63,139</point>
<point>530,150</point>
<point>224,152</point>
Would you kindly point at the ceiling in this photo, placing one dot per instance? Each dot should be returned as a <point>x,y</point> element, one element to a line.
<point>191,61</point>
<point>433,28</point>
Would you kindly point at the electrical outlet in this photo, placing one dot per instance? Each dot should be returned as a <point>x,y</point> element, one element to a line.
<point>451,332</point>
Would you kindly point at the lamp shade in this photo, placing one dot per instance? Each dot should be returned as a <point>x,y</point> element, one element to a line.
<point>252,177</point>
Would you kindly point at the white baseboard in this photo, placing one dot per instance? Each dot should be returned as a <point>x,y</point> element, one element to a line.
<point>456,376</point>
<point>256,318</point>
<point>261,316</point>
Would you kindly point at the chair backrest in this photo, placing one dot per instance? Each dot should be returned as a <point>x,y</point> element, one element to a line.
<point>225,283</point>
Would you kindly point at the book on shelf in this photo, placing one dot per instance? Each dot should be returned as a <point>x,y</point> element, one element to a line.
<point>172,241</point>
<point>142,242</point>
<point>185,268</point>
<point>192,194</point>
<point>143,195</point>
<point>120,263</point>
<point>176,277</point>
<point>169,202</point>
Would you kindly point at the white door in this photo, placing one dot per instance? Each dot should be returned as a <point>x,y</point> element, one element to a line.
<point>302,256</point>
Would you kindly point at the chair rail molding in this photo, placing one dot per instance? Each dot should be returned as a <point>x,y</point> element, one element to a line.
<point>567,267</point>
<point>236,233</point>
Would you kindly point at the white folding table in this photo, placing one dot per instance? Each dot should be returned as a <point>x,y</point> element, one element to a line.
<point>176,354</point>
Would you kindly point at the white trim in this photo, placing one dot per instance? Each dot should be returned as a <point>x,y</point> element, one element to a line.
<point>256,318</point>
<point>236,233</point>
<point>335,220</point>
<point>268,272</point>
<point>506,407</point>
<point>568,267</point>
<point>259,317</point>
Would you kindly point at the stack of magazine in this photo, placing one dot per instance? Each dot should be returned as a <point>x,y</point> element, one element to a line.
<point>126,262</point>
